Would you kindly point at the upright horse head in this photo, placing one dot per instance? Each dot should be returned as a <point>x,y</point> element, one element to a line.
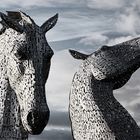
<point>25,57</point>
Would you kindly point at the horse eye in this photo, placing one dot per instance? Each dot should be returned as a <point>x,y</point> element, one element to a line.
<point>21,55</point>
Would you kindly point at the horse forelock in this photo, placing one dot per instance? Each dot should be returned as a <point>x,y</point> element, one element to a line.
<point>14,15</point>
<point>20,18</point>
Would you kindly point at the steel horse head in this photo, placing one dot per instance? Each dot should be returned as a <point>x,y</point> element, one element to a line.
<point>25,59</point>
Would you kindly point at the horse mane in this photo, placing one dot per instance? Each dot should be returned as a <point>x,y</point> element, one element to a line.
<point>15,15</point>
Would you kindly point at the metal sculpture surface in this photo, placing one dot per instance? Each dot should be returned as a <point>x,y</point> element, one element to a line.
<point>94,112</point>
<point>24,67</point>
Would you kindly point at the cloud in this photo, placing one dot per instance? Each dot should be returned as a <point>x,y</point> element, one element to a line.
<point>105,4</point>
<point>99,39</point>
<point>43,3</point>
<point>119,40</point>
<point>128,20</point>
<point>78,18</point>
<point>94,39</point>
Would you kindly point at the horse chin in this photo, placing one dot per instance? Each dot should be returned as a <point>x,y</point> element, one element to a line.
<point>33,131</point>
<point>35,121</point>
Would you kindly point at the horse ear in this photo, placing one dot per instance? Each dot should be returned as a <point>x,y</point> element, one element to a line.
<point>78,55</point>
<point>50,23</point>
<point>3,28</point>
<point>11,23</point>
<point>27,18</point>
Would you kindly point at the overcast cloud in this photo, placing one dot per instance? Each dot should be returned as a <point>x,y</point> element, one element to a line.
<point>83,25</point>
<point>79,18</point>
<point>105,4</point>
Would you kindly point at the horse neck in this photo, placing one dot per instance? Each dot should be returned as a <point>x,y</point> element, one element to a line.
<point>87,86</point>
<point>10,122</point>
<point>92,94</point>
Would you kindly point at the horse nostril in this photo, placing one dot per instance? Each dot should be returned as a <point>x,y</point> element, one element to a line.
<point>37,121</point>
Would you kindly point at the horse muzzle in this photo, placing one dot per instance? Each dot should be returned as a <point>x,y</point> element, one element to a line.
<point>37,121</point>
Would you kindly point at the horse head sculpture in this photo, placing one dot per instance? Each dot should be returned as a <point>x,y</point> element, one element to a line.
<point>25,58</point>
<point>94,111</point>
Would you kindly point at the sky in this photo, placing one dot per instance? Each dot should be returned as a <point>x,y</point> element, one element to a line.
<point>83,25</point>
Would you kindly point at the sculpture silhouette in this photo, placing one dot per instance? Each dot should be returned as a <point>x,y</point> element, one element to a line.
<point>95,114</point>
<point>24,67</point>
